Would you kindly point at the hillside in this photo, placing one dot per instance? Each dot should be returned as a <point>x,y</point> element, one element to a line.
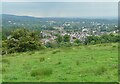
<point>14,21</point>
<point>90,63</point>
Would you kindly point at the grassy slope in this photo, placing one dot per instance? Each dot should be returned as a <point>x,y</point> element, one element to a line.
<point>94,63</point>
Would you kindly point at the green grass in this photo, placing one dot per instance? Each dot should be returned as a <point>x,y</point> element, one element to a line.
<point>91,63</point>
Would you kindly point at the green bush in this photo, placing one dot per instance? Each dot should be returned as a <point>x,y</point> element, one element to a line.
<point>65,44</point>
<point>77,42</point>
<point>66,38</point>
<point>4,51</point>
<point>51,45</point>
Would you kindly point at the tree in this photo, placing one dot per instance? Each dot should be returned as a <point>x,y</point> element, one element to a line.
<point>22,40</point>
<point>77,41</point>
<point>59,39</point>
<point>66,38</point>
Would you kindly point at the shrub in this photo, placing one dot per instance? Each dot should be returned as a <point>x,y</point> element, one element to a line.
<point>41,71</point>
<point>59,39</point>
<point>66,38</point>
<point>93,42</point>
<point>4,52</point>
<point>77,42</point>
<point>51,45</point>
<point>66,44</point>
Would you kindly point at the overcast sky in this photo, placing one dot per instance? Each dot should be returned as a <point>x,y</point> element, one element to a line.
<point>61,9</point>
<point>60,0</point>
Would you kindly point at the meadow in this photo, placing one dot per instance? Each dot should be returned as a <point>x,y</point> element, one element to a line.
<point>85,63</point>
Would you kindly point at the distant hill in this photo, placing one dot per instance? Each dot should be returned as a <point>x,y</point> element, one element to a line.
<point>14,21</point>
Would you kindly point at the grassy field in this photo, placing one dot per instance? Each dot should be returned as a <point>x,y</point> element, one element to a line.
<point>91,63</point>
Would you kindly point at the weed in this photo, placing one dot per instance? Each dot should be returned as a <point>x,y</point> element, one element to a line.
<point>5,61</point>
<point>32,52</point>
<point>77,62</point>
<point>58,62</point>
<point>87,48</point>
<point>3,69</point>
<point>55,51</point>
<point>42,59</point>
<point>99,45</point>
<point>26,66</point>
<point>41,71</point>
<point>114,46</point>
<point>100,70</point>
<point>104,44</point>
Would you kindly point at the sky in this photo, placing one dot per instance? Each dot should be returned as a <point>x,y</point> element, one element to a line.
<point>60,0</point>
<point>61,9</point>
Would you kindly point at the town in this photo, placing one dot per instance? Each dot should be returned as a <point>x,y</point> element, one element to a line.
<point>67,28</point>
<point>49,28</point>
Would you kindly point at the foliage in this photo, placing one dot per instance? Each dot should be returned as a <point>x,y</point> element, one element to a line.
<point>59,39</point>
<point>77,41</point>
<point>105,38</point>
<point>51,45</point>
<point>22,40</point>
<point>66,38</point>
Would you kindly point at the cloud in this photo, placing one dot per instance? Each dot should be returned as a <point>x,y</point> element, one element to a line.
<point>61,9</point>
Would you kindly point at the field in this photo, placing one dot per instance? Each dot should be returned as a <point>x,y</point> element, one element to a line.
<point>89,63</point>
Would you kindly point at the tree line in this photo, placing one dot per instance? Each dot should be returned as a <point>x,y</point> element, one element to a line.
<point>23,40</point>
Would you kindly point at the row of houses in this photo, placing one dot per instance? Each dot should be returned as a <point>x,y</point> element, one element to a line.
<point>50,36</point>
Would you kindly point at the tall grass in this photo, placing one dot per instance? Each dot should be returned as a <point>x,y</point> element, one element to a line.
<point>41,71</point>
